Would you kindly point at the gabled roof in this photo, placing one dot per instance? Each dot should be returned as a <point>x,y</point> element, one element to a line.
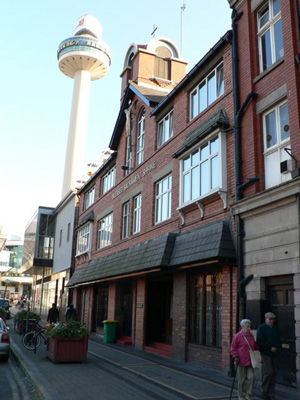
<point>150,97</point>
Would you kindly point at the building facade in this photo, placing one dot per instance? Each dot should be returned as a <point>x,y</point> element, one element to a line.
<point>155,236</point>
<point>267,74</point>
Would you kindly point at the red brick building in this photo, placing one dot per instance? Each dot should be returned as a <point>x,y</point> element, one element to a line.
<point>155,248</point>
<point>266,108</point>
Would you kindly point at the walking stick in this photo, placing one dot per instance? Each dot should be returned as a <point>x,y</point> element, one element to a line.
<point>234,375</point>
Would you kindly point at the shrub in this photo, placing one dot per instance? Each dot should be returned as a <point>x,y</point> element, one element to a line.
<point>22,315</point>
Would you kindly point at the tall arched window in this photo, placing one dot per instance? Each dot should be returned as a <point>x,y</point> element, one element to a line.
<point>140,138</point>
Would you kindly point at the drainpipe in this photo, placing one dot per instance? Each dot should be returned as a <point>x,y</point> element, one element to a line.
<point>298,30</point>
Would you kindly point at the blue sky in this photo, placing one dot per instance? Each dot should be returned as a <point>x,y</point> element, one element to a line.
<point>35,98</point>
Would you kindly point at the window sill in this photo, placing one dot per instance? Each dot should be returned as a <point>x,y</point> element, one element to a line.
<point>205,347</point>
<point>199,202</point>
<point>264,73</point>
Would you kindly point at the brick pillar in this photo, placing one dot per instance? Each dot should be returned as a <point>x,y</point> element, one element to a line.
<point>112,290</point>
<point>179,334</point>
<point>227,334</point>
<point>140,313</point>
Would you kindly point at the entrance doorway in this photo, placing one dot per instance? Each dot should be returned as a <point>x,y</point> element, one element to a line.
<point>124,310</point>
<point>281,302</point>
<point>159,311</point>
<point>99,314</point>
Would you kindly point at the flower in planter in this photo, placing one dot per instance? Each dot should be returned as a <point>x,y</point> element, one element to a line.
<point>70,329</point>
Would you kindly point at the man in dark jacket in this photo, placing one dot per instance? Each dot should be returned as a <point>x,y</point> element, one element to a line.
<point>53,314</point>
<point>269,342</point>
<point>71,313</point>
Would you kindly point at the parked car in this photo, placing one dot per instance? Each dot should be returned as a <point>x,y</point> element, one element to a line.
<point>4,303</point>
<point>4,341</point>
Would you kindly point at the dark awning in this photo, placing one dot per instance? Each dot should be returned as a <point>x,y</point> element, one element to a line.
<point>142,257</point>
<point>213,241</point>
<point>217,120</point>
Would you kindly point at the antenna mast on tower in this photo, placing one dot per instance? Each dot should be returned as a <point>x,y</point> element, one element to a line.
<point>182,8</point>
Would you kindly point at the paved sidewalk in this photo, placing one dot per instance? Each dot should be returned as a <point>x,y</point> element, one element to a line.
<point>81,381</point>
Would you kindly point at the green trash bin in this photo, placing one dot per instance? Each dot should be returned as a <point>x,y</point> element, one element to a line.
<point>109,330</point>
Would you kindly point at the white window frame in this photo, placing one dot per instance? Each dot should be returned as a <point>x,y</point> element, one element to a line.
<point>268,26</point>
<point>216,72</point>
<point>165,129</point>
<point>108,180</point>
<point>140,137</point>
<point>163,199</point>
<point>105,229</point>
<point>125,220</point>
<point>137,209</point>
<point>273,176</point>
<point>84,239</point>
<point>222,169</point>
<point>89,198</point>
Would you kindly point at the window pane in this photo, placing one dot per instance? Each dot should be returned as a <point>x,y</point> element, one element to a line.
<point>195,158</point>
<point>284,122</point>
<point>187,163</point>
<point>276,7</point>
<point>211,88</point>
<point>167,128</point>
<point>204,178</point>
<point>220,82</point>
<point>202,96</point>
<point>214,145</point>
<point>171,125</point>
<point>194,104</point>
<point>264,18</point>
<point>271,135</point>
<point>195,182</point>
<point>204,152</point>
<point>278,40</point>
<point>186,187</point>
<point>215,172</point>
<point>160,134</point>
<point>266,50</point>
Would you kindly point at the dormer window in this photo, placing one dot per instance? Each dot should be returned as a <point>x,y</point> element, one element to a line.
<point>165,129</point>
<point>140,138</point>
<point>209,89</point>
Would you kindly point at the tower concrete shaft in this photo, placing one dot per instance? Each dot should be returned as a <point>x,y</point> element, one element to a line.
<point>83,57</point>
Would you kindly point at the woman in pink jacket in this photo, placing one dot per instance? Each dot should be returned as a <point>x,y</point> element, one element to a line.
<point>240,352</point>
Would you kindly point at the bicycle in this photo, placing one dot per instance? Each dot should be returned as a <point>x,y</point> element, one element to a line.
<point>32,340</point>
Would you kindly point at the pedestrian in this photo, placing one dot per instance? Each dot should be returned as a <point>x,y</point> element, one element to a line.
<point>53,314</point>
<point>240,346</point>
<point>268,340</point>
<point>71,313</point>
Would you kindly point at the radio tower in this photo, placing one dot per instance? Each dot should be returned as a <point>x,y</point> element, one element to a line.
<point>83,57</point>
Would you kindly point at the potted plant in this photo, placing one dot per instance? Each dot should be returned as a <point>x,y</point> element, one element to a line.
<point>67,342</point>
<point>20,319</point>
<point>3,314</point>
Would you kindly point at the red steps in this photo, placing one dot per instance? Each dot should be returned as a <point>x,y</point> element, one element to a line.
<point>161,349</point>
<point>124,340</point>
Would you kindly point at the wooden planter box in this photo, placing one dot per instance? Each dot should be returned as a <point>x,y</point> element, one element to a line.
<point>67,349</point>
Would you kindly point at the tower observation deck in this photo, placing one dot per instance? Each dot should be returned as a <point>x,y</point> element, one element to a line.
<point>83,57</point>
